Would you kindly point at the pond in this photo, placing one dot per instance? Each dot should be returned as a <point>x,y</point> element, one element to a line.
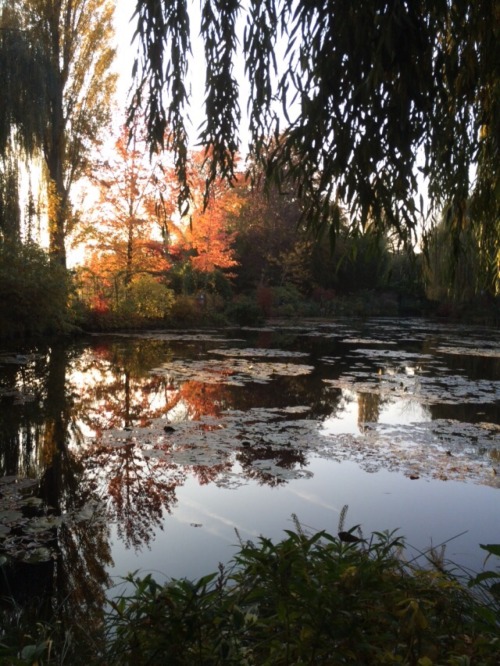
<point>158,451</point>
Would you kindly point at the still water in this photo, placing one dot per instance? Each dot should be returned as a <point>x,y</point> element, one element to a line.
<point>158,451</point>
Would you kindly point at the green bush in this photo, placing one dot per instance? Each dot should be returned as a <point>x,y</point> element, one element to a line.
<point>244,311</point>
<point>34,294</point>
<point>185,311</point>
<point>146,298</point>
<point>310,599</point>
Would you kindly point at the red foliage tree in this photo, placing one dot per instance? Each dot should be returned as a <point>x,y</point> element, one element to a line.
<point>124,233</point>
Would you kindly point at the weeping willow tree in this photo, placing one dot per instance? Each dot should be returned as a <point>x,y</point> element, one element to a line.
<point>367,96</point>
<point>59,92</point>
<point>10,214</point>
<point>23,76</point>
<point>24,96</point>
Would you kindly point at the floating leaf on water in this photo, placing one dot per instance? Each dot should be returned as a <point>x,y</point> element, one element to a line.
<point>31,502</point>
<point>42,524</point>
<point>89,511</point>
<point>23,398</point>
<point>10,516</point>
<point>155,453</point>
<point>37,555</point>
<point>18,359</point>
<point>470,351</point>
<point>258,352</point>
<point>368,341</point>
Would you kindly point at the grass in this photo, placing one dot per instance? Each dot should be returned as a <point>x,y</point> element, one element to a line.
<point>309,599</point>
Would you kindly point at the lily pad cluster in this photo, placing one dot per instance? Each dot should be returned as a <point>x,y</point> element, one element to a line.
<point>263,439</point>
<point>237,369</point>
<point>28,528</point>
<point>404,374</point>
<point>444,449</point>
<point>27,532</point>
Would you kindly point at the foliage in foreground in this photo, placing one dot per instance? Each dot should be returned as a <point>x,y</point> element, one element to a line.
<point>309,599</point>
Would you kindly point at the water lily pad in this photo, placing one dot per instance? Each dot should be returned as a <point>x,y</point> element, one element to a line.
<point>230,371</point>
<point>37,555</point>
<point>470,351</point>
<point>42,524</point>
<point>251,352</point>
<point>10,516</point>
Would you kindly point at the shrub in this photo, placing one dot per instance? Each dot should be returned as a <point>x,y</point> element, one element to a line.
<point>185,311</point>
<point>310,599</point>
<point>244,311</point>
<point>34,293</point>
<point>146,298</point>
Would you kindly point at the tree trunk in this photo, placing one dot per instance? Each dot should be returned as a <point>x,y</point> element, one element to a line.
<point>56,190</point>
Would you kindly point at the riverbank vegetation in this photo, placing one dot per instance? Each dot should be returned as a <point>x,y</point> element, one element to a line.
<point>312,598</point>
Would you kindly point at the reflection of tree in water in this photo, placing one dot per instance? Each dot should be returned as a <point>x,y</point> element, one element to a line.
<point>122,393</point>
<point>113,387</point>
<point>286,458</point>
<point>309,390</point>
<point>140,489</point>
<point>209,473</point>
<point>83,546</point>
<point>82,578</point>
<point>369,405</point>
<point>41,429</point>
<point>199,399</point>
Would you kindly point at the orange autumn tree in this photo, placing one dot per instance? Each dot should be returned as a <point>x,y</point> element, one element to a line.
<point>208,235</point>
<point>124,234</point>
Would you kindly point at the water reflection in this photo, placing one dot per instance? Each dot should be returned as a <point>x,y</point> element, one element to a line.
<point>63,566</point>
<point>118,429</point>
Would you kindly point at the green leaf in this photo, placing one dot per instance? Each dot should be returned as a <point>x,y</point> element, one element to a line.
<point>32,653</point>
<point>491,548</point>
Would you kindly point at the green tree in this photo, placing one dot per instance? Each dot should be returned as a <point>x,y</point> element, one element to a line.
<point>372,91</point>
<point>72,61</point>
<point>9,198</point>
<point>23,77</point>
<point>23,71</point>
<point>476,272</point>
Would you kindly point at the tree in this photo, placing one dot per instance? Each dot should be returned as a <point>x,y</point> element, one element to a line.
<point>208,233</point>
<point>73,57</point>
<point>126,231</point>
<point>123,222</point>
<point>371,91</point>
<point>269,239</point>
<point>23,67</point>
<point>23,76</point>
<point>476,272</point>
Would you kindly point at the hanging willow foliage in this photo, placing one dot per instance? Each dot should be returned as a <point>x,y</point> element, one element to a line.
<point>384,89</point>
<point>23,75</point>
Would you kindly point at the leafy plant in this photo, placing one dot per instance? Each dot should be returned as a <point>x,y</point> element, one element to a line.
<point>245,311</point>
<point>309,599</point>
<point>33,292</point>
